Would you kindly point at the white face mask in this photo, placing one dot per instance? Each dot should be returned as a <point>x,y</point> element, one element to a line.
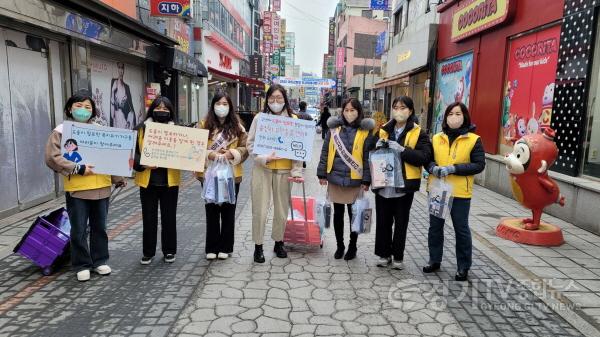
<point>221,111</point>
<point>454,121</point>
<point>400,115</point>
<point>276,107</point>
<point>350,115</point>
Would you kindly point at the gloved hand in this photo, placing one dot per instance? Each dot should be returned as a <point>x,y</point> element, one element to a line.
<point>395,146</point>
<point>381,143</point>
<point>445,171</point>
<point>435,170</point>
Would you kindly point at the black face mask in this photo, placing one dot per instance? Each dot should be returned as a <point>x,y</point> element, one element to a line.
<point>162,116</point>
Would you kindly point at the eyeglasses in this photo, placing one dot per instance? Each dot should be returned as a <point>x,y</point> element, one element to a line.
<point>279,99</point>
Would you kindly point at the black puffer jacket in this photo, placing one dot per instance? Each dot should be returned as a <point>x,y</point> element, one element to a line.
<point>340,172</point>
<point>421,155</point>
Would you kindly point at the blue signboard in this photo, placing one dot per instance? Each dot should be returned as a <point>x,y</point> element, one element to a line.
<point>380,46</point>
<point>380,4</point>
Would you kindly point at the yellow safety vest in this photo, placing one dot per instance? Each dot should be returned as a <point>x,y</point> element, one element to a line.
<point>142,179</point>
<point>237,169</point>
<point>76,182</point>
<point>412,136</point>
<point>357,151</point>
<point>459,152</point>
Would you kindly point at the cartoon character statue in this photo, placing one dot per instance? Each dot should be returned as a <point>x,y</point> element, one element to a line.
<point>546,115</point>
<point>71,153</point>
<point>528,166</point>
<point>532,123</point>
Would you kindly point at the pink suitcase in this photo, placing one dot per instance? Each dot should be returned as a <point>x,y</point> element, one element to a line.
<point>301,226</point>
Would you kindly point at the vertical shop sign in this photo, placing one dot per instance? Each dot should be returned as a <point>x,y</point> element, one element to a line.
<point>529,85</point>
<point>453,84</point>
<point>331,46</point>
<point>276,5</point>
<point>276,28</point>
<point>282,34</point>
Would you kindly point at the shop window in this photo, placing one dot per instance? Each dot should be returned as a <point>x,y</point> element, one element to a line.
<point>397,21</point>
<point>367,14</point>
<point>591,159</point>
<point>183,106</point>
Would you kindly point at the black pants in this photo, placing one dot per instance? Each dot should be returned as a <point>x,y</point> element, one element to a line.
<point>167,197</point>
<point>220,226</point>
<point>390,213</point>
<point>338,224</point>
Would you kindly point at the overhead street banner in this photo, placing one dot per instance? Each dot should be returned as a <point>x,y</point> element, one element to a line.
<point>305,82</point>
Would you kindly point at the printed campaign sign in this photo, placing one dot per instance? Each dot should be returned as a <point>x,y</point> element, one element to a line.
<point>176,147</point>
<point>288,137</point>
<point>110,150</point>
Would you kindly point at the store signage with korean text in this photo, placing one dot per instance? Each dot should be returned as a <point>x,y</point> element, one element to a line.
<point>276,28</point>
<point>380,46</point>
<point>331,48</point>
<point>225,61</point>
<point>267,33</point>
<point>474,16</point>
<point>282,34</point>
<point>380,4</point>
<point>404,56</point>
<point>339,59</point>
<point>276,5</point>
<point>170,8</point>
<point>256,66</point>
<point>180,32</point>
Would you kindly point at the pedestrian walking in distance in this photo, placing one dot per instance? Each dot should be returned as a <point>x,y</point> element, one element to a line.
<point>458,155</point>
<point>403,135</point>
<point>226,139</point>
<point>158,186</point>
<point>323,118</point>
<point>270,180</point>
<point>87,195</point>
<point>344,149</point>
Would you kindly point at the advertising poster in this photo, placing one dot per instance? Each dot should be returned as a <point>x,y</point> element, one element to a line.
<point>453,84</point>
<point>180,32</point>
<point>529,86</point>
<point>110,150</point>
<point>175,147</point>
<point>289,138</point>
<point>118,91</point>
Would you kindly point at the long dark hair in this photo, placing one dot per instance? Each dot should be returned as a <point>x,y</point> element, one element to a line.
<point>356,105</point>
<point>168,105</point>
<point>467,118</point>
<point>231,126</point>
<point>270,92</point>
<point>76,98</point>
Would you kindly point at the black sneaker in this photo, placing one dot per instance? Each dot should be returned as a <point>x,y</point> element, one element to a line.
<point>350,254</point>
<point>259,257</point>
<point>280,250</point>
<point>461,275</point>
<point>431,268</point>
<point>146,260</point>
<point>339,253</point>
<point>170,258</point>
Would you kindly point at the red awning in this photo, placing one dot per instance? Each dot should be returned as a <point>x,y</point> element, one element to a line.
<point>246,80</point>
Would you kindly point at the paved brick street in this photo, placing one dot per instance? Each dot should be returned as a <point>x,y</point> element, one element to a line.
<point>307,294</point>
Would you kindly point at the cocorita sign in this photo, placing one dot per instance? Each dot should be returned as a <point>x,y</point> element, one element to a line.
<point>474,16</point>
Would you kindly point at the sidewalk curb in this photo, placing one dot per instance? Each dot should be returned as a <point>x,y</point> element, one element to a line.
<point>551,297</point>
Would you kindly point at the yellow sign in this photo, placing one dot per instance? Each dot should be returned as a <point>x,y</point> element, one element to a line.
<point>474,16</point>
<point>404,56</point>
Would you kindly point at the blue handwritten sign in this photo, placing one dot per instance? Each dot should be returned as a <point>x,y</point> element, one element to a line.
<point>288,137</point>
<point>110,150</point>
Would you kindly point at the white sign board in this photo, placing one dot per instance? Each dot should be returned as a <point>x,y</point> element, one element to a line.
<point>288,137</point>
<point>175,147</point>
<point>110,150</point>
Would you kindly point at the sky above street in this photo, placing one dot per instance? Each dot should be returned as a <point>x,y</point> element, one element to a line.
<point>309,19</point>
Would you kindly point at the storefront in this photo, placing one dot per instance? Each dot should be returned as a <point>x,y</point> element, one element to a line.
<point>51,52</point>
<point>520,66</point>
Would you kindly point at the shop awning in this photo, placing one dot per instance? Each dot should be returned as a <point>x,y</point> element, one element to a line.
<point>234,78</point>
<point>181,61</point>
<point>394,80</point>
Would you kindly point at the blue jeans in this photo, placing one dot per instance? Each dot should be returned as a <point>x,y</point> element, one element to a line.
<point>80,212</point>
<point>464,245</point>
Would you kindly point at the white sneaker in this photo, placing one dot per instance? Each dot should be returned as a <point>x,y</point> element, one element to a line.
<point>103,269</point>
<point>384,261</point>
<point>398,265</point>
<point>83,275</point>
<point>211,256</point>
<point>223,256</point>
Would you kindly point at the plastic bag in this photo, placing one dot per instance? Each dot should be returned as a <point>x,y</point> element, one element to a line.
<point>386,169</point>
<point>362,214</point>
<point>440,198</point>
<point>219,182</point>
<point>323,213</point>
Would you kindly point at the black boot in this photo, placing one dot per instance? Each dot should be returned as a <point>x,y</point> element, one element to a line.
<point>351,253</point>
<point>461,275</point>
<point>431,268</point>
<point>339,253</point>
<point>259,257</point>
<point>280,250</point>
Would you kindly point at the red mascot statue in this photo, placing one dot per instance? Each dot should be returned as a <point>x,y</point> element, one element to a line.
<point>528,166</point>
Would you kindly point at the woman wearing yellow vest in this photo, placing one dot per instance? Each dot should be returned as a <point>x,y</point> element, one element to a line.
<point>158,185</point>
<point>402,134</point>
<point>227,138</point>
<point>86,194</point>
<point>458,155</point>
<point>270,179</point>
<point>344,167</point>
